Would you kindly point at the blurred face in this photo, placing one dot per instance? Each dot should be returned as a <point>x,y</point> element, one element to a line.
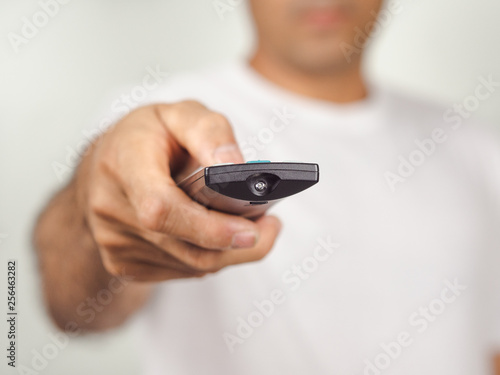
<point>314,35</point>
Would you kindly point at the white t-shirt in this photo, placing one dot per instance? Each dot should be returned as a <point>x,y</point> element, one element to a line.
<point>386,266</point>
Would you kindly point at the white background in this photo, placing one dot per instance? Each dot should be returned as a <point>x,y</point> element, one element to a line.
<point>63,79</point>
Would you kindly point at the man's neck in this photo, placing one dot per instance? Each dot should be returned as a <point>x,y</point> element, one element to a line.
<point>339,87</point>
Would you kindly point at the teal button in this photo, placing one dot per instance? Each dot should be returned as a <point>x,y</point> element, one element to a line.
<point>258,161</point>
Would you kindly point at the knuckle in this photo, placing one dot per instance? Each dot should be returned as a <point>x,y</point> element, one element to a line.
<point>208,231</point>
<point>153,213</point>
<point>181,216</point>
<point>179,109</point>
<point>111,266</point>
<point>110,245</point>
<point>106,164</point>
<point>98,200</point>
<point>214,121</point>
<point>214,237</point>
<point>175,219</point>
<point>97,204</point>
<point>113,249</point>
<point>121,260</point>
<point>190,103</point>
<point>101,238</point>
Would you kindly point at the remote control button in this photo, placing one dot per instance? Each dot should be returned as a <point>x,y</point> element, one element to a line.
<point>260,186</point>
<point>258,161</point>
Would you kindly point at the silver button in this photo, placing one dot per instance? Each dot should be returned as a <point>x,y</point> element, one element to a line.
<point>260,186</point>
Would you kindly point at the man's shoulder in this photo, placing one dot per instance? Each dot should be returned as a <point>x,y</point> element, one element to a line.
<point>429,114</point>
<point>405,104</point>
<point>463,143</point>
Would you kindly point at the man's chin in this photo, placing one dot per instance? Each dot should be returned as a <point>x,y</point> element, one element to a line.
<point>319,62</point>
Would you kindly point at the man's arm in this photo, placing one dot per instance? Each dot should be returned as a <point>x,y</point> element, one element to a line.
<point>122,217</point>
<point>72,270</point>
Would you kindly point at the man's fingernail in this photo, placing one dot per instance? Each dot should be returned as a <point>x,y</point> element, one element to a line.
<point>227,154</point>
<point>244,240</point>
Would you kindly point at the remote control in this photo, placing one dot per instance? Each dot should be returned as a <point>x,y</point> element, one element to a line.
<point>248,189</point>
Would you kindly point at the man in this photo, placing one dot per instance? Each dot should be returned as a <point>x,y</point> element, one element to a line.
<point>383,267</point>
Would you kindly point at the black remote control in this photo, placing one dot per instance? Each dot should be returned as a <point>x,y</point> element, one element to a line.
<point>248,189</point>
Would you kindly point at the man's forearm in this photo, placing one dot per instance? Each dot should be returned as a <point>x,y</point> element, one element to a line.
<point>76,286</point>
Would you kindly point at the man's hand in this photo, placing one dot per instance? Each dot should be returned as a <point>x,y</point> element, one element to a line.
<point>142,223</point>
<point>122,214</point>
